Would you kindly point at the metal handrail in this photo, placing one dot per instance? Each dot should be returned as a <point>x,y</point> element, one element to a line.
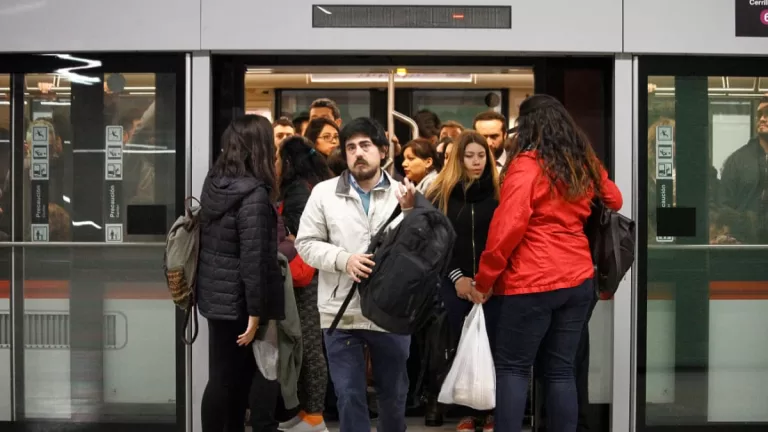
<point>708,247</point>
<point>79,244</point>
<point>409,121</point>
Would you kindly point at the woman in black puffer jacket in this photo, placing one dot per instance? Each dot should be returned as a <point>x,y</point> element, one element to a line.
<point>239,281</point>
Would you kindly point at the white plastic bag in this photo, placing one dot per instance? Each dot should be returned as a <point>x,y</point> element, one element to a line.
<point>471,381</point>
<point>265,351</point>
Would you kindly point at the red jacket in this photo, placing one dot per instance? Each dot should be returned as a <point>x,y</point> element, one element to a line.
<point>536,241</point>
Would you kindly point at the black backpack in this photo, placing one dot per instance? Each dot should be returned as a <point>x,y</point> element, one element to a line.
<point>440,344</point>
<point>612,243</point>
<point>410,260</point>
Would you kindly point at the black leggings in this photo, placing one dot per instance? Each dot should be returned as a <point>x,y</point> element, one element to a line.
<point>230,373</point>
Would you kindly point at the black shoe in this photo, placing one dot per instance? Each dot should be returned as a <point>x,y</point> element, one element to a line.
<point>433,417</point>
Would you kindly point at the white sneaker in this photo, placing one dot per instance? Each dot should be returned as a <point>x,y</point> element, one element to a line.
<point>289,424</point>
<point>303,426</point>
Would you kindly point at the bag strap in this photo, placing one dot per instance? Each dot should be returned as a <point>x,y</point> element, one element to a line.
<point>615,239</point>
<point>353,290</point>
<point>191,314</point>
<point>188,205</point>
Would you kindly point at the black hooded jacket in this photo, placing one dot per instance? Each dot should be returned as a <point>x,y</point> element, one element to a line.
<point>471,212</point>
<point>238,273</point>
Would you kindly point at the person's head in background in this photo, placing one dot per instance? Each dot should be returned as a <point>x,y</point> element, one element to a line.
<point>365,146</point>
<point>429,125</point>
<point>326,108</point>
<point>300,123</point>
<point>337,162</point>
<point>60,223</point>
<point>323,134</point>
<point>283,128</point>
<point>762,121</point>
<point>130,121</point>
<point>419,159</point>
<point>451,129</point>
<point>297,160</point>
<point>444,147</point>
<point>493,127</point>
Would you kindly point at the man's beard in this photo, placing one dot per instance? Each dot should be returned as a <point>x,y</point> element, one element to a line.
<point>498,151</point>
<point>763,136</point>
<point>364,172</point>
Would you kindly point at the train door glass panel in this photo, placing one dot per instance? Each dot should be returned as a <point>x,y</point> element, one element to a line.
<point>351,103</point>
<point>458,105</point>
<point>95,190</point>
<point>704,146</point>
<point>5,261</point>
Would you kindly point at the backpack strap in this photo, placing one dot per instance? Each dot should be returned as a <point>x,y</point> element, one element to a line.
<point>353,290</point>
<point>190,316</point>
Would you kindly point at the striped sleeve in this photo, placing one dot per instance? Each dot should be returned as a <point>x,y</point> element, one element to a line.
<point>454,275</point>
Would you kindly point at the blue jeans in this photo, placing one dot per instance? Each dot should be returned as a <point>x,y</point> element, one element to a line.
<point>346,362</point>
<point>541,330</point>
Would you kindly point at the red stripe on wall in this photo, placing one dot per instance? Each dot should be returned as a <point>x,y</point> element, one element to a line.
<point>55,289</point>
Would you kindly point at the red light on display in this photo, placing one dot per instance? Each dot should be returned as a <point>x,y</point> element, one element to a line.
<point>458,16</point>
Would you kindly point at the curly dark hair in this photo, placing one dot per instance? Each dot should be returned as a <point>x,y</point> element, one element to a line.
<point>564,151</point>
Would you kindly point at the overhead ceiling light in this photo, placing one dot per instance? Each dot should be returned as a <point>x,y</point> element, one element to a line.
<point>258,71</point>
<point>384,77</point>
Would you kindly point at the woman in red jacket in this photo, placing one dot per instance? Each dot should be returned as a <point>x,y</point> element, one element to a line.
<point>537,260</point>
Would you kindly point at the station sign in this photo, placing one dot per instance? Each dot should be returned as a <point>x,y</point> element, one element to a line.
<point>751,18</point>
<point>665,165</point>
<point>39,175</point>
<point>114,213</point>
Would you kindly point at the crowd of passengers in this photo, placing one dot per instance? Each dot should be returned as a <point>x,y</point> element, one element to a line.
<point>317,189</point>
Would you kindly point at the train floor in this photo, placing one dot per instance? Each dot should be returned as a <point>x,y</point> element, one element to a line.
<point>415,424</point>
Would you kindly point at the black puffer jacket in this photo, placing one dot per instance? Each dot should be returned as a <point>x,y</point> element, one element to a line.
<point>470,212</point>
<point>238,273</point>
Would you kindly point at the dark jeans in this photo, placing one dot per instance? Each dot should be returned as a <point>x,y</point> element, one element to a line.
<point>582,379</point>
<point>346,361</point>
<point>542,329</point>
<point>230,371</point>
<point>458,309</point>
<point>582,370</point>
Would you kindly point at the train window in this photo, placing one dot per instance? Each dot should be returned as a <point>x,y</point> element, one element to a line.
<point>458,105</point>
<point>707,231</point>
<point>131,152</point>
<point>100,163</point>
<point>351,103</point>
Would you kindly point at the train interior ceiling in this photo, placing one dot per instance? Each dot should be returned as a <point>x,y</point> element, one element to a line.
<point>452,93</point>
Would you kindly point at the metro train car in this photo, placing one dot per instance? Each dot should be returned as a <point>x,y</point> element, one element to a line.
<point>111,114</point>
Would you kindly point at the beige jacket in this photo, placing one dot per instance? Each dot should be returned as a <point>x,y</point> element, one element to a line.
<point>333,227</point>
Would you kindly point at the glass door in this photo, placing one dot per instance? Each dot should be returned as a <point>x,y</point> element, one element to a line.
<point>703,262</point>
<point>91,166</point>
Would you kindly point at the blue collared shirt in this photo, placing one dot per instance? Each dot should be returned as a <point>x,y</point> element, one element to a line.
<point>365,197</point>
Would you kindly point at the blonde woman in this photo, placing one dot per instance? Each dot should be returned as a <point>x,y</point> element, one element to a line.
<point>467,191</point>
